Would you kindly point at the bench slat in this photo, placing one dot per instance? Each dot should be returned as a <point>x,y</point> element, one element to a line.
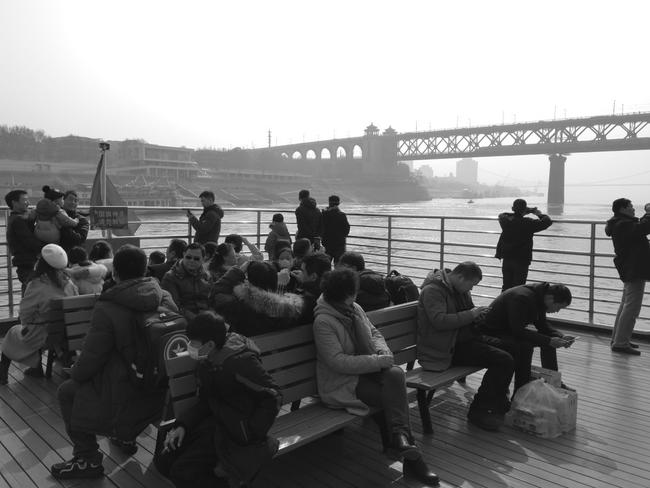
<point>285,338</point>
<point>78,316</point>
<point>76,302</point>
<point>182,385</point>
<point>300,373</point>
<point>289,357</point>
<point>398,329</point>
<point>392,314</point>
<point>400,343</point>
<point>432,380</point>
<point>75,330</point>
<point>302,390</point>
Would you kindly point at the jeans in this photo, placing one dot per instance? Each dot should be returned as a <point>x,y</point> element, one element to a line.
<point>515,272</point>
<point>490,353</point>
<point>628,311</point>
<point>84,443</point>
<point>387,390</point>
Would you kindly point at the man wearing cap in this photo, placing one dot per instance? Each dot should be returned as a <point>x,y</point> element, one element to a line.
<point>515,246</point>
<point>279,232</point>
<point>335,229</point>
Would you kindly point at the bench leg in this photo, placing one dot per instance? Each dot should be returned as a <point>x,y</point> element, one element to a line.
<point>462,380</point>
<point>295,405</point>
<point>409,365</point>
<point>424,400</point>
<point>50,362</point>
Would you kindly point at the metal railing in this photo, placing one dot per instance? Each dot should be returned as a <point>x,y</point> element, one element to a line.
<point>574,252</point>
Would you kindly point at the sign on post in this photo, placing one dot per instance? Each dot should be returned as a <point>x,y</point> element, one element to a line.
<point>109,217</point>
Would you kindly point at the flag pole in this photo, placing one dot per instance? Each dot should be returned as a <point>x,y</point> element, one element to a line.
<point>105,147</point>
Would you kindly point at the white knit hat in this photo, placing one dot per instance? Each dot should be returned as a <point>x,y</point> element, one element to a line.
<point>55,256</point>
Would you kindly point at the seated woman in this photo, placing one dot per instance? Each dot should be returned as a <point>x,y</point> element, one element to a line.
<point>355,369</point>
<point>88,276</point>
<point>24,341</point>
<point>224,258</point>
<point>102,253</point>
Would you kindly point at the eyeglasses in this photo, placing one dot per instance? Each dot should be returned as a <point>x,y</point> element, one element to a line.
<point>193,258</point>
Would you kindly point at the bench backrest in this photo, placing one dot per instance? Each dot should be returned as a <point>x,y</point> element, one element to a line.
<point>290,356</point>
<point>74,314</point>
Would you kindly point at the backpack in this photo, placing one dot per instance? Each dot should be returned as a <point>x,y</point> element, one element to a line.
<point>159,335</point>
<point>400,288</point>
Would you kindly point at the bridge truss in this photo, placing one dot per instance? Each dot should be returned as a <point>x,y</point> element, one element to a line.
<point>602,133</point>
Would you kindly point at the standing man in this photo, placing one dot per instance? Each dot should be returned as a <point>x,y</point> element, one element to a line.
<point>335,229</point>
<point>447,336</point>
<point>73,236</point>
<point>632,261</point>
<point>23,244</point>
<point>309,219</point>
<point>208,225</point>
<point>515,244</point>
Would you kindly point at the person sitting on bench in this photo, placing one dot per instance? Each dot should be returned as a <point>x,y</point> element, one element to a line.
<point>355,369</point>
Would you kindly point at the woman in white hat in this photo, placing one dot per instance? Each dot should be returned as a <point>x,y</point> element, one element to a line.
<point>24,341</point>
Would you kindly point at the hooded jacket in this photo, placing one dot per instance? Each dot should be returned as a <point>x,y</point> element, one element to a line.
<point>190,291</point>
<point>208,225</point>
<point>630,238</point>
<point>516,239</point>
<point>442,313</point>
<point>107,401</point>
<point>89,278</point>
<point>50,219</point>
<point>279,232</point>
<point>372,293</point>
<point>308,219</point>
<point>335,229</point>
<point>516,308</point>
<point>338,361</point>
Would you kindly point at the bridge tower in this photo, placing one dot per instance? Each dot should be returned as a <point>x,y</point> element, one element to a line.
<point>379,151</point>
<point>555,199</point>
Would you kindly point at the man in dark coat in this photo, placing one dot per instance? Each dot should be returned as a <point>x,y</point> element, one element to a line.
<point>309,219</point>
<point>73,236</point>
<point>515,246</point>
<point>335,229</point>
<point>102,396</point>
<point>208,225</point>
<point>511,312</point>
<point>372,294</point>
<point>227,429</point>
<point>23,244</point>
<point>632,261</point>
<point>173,254</point>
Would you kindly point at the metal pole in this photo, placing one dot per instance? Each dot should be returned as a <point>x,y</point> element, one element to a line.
<point>389,247</point>
<point>442,243</point>
<point>10,277</point>
<point>592,271</point>
<point>259,216</point>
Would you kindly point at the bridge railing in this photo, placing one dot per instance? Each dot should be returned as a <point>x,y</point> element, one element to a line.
<point>574,252</point>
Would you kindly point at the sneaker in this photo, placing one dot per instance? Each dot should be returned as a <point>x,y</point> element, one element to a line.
<point>77,467</point>
<point>36,372</point>
<point>127,447</point>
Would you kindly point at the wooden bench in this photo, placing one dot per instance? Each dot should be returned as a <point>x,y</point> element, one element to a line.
<point>68,326</point>
<point>290,357</point>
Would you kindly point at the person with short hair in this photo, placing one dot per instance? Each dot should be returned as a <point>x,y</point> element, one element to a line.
<point>73,236</point>
<point>447,335</point>
<point>208,224</point>
<point>23,244</point>
<point>278,233</point>
<point>513,310</point>
<point>102,395</point>
<point>50,216</point>
<point>24,341</point>
<point>515,245</point>
<point>238,243</point>
<point>225,434</point>
<point>309,220</point>
<point>86,274</point>
<point>372,294</point>
<point>174,252</point>
<point>355,369</point>
<point>156,257</point>
<point>335,229</point>
<point>632,260</point>
<point>188,282</point>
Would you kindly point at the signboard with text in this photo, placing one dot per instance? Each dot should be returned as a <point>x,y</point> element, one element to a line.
<point>109,217</point>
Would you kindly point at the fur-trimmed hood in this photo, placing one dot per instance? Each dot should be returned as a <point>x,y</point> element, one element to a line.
<point>269,303</point>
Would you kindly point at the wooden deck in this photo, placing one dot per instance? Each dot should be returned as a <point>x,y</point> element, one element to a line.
<point>609,448</point>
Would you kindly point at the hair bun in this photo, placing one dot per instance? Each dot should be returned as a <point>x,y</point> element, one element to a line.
<point>46,188</point>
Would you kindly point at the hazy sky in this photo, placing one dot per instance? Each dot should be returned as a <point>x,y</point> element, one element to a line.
<point>221,74</point>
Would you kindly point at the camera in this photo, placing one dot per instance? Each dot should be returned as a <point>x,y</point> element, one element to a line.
<point>531,210</point>
<point>104,146</point>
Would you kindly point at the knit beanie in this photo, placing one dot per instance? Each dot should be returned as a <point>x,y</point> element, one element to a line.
<point>52,193</point>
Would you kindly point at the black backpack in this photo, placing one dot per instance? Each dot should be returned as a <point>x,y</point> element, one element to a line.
<point>159,335</point>
<point>401,288</point>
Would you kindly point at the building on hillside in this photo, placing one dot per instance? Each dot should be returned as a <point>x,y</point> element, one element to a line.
<point>138,158</point>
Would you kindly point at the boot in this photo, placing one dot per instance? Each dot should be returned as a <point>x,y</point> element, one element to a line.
<point>36,372</point>
<point>485,419</point>
<point>402,447</point>
<point>4,370</point>
<point>418,470</point>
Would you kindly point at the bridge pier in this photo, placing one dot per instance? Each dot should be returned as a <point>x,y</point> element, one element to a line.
<point>555,199</point>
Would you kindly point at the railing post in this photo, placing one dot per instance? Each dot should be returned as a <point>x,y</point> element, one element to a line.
<point>442,243</point>
<point>390,246</point>
<point>189,231</point>
<point>592,272</point>
<point>10,284</point>
<point>259,227</point>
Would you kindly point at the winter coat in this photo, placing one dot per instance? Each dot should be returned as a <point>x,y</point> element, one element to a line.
<point>279,232</point>
<point>88,278</point>
<point>630,238</point>
<point>23,341</point>
<point>516,308</point>
<point>23,244</point>
<point>158,271</point>
<point>309,220</point>
<point>74,236</point>
<point>50,219</point>
<point>235,388</point>
<point>516,239</point>
<point>250,310</point>
<point>208,225</point>
<point>190,291</point>
<point>335,230</point>
<point>372,293</point>
<point>108,402</point>
<point>338,361</point>
<point>442,313</point>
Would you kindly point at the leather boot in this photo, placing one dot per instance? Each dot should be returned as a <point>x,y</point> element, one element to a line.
<point>4,372</point>
<point>418,470</point>
<point>401,447</point>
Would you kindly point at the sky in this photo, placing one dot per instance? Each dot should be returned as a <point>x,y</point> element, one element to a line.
<point>222,74</point>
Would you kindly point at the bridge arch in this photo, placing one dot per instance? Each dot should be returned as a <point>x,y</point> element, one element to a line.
<point>284,155</point>
<point>325,153</point>
<point>341,153</point>
<point>311,154</point>
<point>296,155</point>
<point>357,152</point>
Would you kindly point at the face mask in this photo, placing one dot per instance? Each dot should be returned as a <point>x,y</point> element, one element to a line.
<point>195,352</point>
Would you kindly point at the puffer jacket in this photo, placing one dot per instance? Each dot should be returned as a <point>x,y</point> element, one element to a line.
<point>190,291</point>
<point>22,242</point>
<point>279,232</point>
<point>335,230</point>
<point>208,225</point>
<point>107,401</point>
<point>309,220</point>
<point>338,363</point>
<point>442,312</point>
<point>630,238</point>
<point>516,239</point>
<point>50,219</point>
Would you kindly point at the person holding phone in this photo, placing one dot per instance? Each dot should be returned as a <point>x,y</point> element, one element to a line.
<point>208,225</point>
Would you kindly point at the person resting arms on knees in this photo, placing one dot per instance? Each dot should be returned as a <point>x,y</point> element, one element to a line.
<point>355,369</point>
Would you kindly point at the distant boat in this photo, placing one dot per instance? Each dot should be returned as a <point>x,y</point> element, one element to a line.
<point>470,201</point>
